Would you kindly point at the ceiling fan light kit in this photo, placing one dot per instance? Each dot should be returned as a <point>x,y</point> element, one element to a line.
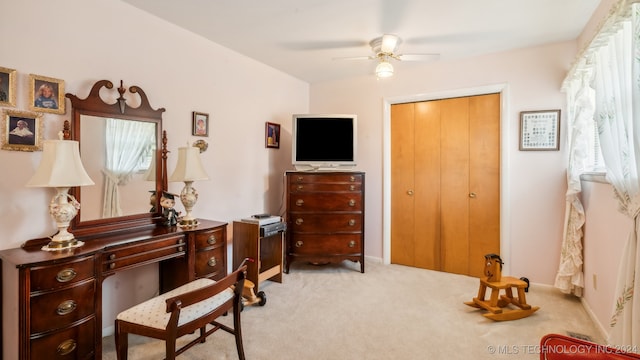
<point>384,69</point>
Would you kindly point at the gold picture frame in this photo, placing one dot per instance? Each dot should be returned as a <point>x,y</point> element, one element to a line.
<point>7,87</point>
<point>540,130</point>
<point>22,130</point>
<point>200,124</point>
<point>46,94</point>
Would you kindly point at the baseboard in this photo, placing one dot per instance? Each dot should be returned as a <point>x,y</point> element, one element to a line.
<point>603,332</point>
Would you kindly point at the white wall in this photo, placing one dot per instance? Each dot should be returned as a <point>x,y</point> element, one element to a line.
<point>82,41</point>
<point>533,182</point>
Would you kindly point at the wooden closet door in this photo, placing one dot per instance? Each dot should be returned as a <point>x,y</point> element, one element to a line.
<point>445,183</point>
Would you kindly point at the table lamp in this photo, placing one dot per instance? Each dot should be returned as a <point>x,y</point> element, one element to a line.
<point>188,170</point>
<point>61,168</point>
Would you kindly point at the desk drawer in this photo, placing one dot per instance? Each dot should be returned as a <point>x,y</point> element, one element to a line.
<point>210,263</point>
<point>213,238</point>
<point>73,343</point>
<point>143,253</point>
<point>300,178</point>
<point>55,276</point>
<point>58,309</point>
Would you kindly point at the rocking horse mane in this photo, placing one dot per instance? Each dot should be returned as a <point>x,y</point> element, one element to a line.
<point>493,267</point>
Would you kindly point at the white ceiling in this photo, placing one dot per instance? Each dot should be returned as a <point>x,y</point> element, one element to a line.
<point>303,37</point>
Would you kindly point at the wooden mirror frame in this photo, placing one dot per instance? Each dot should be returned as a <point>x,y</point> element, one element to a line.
<point>93,105</point>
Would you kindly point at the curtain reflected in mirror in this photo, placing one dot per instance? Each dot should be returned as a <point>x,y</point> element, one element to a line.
<point>119,156</point>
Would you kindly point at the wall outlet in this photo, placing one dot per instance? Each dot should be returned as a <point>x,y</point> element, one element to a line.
<point>595,281</point>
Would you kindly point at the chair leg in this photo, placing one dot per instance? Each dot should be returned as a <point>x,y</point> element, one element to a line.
<point>238,329</point>
<point>122,342</point>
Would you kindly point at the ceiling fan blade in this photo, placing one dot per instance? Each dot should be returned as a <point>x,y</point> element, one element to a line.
<point>349,58</point>
<point>417,57</point>
<point>322,45</point>
<point>389,43</point>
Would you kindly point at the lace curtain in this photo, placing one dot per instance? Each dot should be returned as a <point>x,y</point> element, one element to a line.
<point>126,143</point>
<point>604,87</point>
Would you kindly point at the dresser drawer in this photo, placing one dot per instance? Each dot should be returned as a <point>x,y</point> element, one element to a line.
<point>137,254</point>
<point>58,309</point>
<point>325,202</point>
<point>73,343</point>
<point>326,223</point>
<point>213,238</point>
<point>299,178</point>
<point>329,187</point>
<point>55,276</point>
<point>314,244</point>
<point>210,263</point>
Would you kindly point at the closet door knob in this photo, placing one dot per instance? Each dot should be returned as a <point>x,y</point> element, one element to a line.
<point>410,192</point>
<point>472,195</point>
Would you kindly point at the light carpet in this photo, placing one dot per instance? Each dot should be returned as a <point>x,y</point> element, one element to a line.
<point>389,312</point>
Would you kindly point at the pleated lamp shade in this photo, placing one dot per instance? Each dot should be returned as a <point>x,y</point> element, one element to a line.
<point>189,167</point>
<point>60,166</point>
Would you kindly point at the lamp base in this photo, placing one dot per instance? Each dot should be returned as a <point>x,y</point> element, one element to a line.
<point>59,245</point>
<point>188,223</point>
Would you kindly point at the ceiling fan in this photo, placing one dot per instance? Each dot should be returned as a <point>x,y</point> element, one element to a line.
<point>385,49</point>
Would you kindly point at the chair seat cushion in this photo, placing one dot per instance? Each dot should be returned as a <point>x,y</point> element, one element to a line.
<point>152,313</point>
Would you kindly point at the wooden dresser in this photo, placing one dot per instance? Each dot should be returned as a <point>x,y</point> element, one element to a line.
<point>52,301</point>
<point>325,217</point>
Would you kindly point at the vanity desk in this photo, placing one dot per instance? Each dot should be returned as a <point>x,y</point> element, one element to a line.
<point>52,300</point>
<point>52,303</point>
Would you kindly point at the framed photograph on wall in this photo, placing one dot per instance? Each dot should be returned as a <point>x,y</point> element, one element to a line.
<point>540,130</point>
<point>46,94</point>
<point>200,126</point>
<point>272,135</point>
<point>7,87</point>
<point>22,131</point>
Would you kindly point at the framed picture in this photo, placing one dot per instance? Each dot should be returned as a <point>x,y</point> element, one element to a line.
<point>272,135</point>
<point>22,131</point>
<point>200,124</point>
<point>540,130</point>
<point>7,87</point>
<point>46,94</point>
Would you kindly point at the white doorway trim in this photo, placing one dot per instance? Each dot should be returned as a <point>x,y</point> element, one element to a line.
<point>505,131</point>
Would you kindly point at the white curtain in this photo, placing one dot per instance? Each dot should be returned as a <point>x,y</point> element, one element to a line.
<point>126,142</point>
<point>617,83</point>
<point>569,278</point>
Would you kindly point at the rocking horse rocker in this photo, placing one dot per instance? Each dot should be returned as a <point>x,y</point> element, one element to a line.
<point>496,305</point>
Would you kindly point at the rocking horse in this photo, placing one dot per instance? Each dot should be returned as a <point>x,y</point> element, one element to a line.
<point>496,305</point>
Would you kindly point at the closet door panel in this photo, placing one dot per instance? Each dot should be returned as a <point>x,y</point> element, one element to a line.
<point>454,174</point>
<point>484,179</point>
<point>427,185</point>
<point>402,175</point>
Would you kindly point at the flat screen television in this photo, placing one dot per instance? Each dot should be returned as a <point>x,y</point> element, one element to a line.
<point>324,141</point>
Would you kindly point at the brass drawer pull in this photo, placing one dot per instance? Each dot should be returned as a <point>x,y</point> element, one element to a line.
<point>299,202</point>
<point>112,265</point>
<point>212,240</point>
<point>352,202</point>
<point>300,187</point>
<point>66,307</point>
<point>299,243</point>
<point>352,244</point>
<point>66,275</point>
<point>112,256</point>
<point>299,221</point>
<point>66,347</point>
<point>299,179</point>
<point>352,222</point>
<point>352,187</point>
<point>352,178</point>
<point>212,262</point>
<point>180,248</point>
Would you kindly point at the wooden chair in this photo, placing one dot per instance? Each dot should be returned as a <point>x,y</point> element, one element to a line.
<point>182,311</point>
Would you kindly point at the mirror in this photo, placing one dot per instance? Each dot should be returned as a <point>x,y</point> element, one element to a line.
<point>123,149</point>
